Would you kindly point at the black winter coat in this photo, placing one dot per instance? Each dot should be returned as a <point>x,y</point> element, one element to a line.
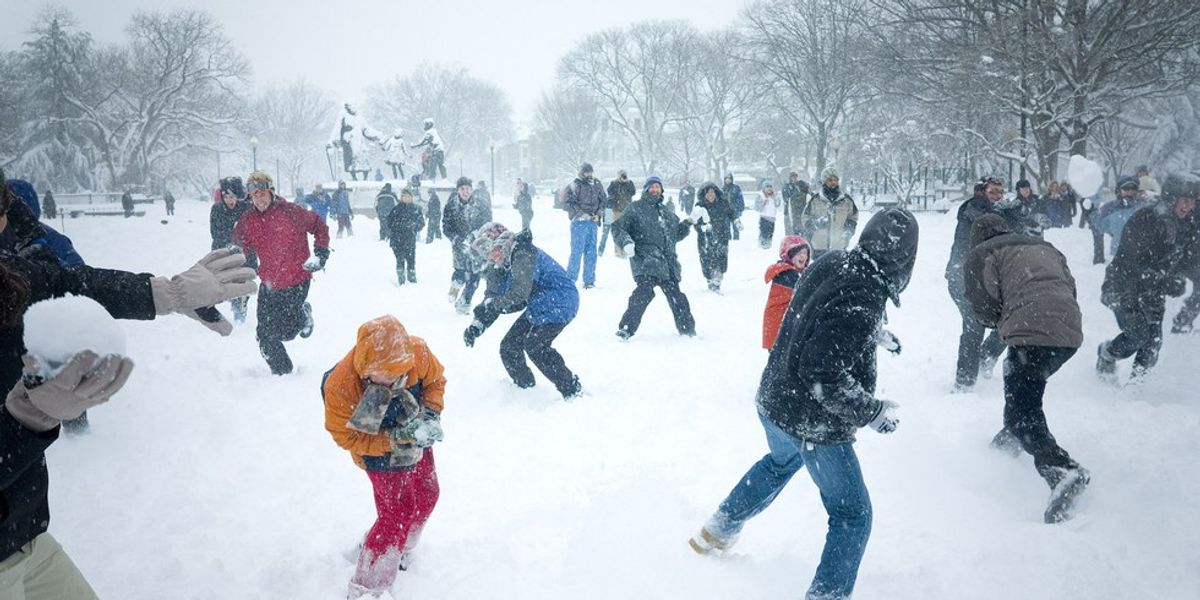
<point>384,203</point>
<point>434,208</point>
<point>1150,262</point>
<point>653,229</point>
<point>24,510</point>
<point>687,198</point>
<point>819,382</point>
<point>620,195</point>
<point>221,220</point>
<point>1017,219</point>
<point>720,214</point>
<point>404,221</point>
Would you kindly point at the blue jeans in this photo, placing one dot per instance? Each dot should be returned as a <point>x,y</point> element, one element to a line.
<point>604,229</point>
<point>835,470</point>
<point>583,245</point>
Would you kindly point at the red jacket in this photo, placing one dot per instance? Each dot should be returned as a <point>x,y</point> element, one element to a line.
<point>279,236</point>
<point>782,276</point>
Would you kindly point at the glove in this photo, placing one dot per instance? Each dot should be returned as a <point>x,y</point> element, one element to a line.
<point>698,215</point>
<point>317,263</point>
<point>86,381</point>
<point>219,276</point>
<point>474,330</point>
<point>628,250</point>
<point>888,341</point>
<point>886,420</point>
<point>422,431</point>
<point>738,223</point>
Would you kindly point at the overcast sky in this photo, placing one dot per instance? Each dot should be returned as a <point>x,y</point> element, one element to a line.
<point>514,44</point>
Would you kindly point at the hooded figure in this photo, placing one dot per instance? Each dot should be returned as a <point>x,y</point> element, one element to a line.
<point>818,388</point>
<point>794,256</point>
<point>713,227</point>
<point>399,372</point>
<point>58,243</point>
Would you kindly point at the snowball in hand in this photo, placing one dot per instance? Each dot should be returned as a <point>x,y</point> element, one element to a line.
<point>57,329</point>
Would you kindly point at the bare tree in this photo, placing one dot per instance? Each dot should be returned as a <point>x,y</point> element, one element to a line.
<point>720,96</point>
<point>570,119</point>
<point>290,123</point>
<point>814,50</point>
<point>635,74</point>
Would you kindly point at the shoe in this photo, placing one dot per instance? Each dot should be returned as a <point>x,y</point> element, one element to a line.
<point>707,543</point>
<point>412,276</point>
<point>308,321</point>
<point>1106,365</point>
<point>1007,443</point>
<point>588,286</point>
<point>1066,484</point>
<point>574,391</point>
<point>1137,376</point>
<point>624,334</point>
<point>962,387</point>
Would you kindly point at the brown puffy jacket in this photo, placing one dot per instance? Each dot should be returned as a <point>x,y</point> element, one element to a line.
<point>1021,286</point>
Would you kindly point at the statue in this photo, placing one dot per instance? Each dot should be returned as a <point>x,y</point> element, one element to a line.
<point>351,135</point>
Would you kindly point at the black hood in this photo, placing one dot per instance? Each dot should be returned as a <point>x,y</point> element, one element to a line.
<point>889,239</point>
<point>987,227</point>
<point>704,190</point>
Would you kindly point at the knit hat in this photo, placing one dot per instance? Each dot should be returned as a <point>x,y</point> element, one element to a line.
<point>406,192</point>
<point>493,242</point>
<point>828,172</point>
<point>1023,183</point>
<point>463,181</point>
<point>649,180</point>
<point>1128,181</point>
<point>260,176</point>
<point>23,191</point>
<point>233,185</point>
<point>767,184</point>
<point>585,168</point>
<point>790,245</point>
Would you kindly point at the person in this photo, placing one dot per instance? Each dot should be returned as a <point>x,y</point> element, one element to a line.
<point>795,200</point>
<point>277,231</point>
<point>59,244</point>
<point>1115,214</point>
<point>648,232</point>
<point>687,197</point>
<point>831,216</point>
<point>522,277</point>
<point>385,201</point>
<point>1185,319</point>
<point>733,195</point>
<point>354,138</point>
<point>127,203</point>
<point>318,201</point>
<point>392,370</point>
<point>169,202</point>
<point>620,193</point>
<point>341,211</point>
<point>977,354</point>
<point>1053,203</point>
<point>1088,217</point>
<point>433,158</point>
<point>222,218</point>
<point>713,217</point>
<point>817,390</point>
<point>396,153</point>
<point>49,206</point>
<point>584,203</point>
<point>523,202</point>
<point>1147,183</point>
<point>1031,205</point>
<point>767,206</point>
<point>1022,287</point>
<point>1147,267</point>
<point>434,212</point>
<point>403,224</point>
<point>782,276</point>
<point>483,193</point>
<point>464,214</point>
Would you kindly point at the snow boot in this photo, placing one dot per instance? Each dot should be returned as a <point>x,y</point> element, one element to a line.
<point>412,276</point>
<point>1106,364</point>
<point>987,365</point>
<point>400,277</point>
<point>1007,443</point>
<point>707,543</point>
<point>1066,484</point>
<point>1137,377</point>
<point>962,387</point>
<point>574,391</point>
<point>624,334</point>
<point>307,329</point>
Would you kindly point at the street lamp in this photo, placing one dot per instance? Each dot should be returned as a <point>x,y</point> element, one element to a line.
<point>254,152</point>
<point>492,145</point>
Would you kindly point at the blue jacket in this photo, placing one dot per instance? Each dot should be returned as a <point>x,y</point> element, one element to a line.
<point>319,203</point>
<point>341,203</point>
<point>533,281</point>
<point>58,243</point>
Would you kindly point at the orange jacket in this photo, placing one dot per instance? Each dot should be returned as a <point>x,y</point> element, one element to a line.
<point>384,348</point>
<point>782,277</point>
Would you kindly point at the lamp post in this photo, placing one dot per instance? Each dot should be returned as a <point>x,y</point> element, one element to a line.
<point>254,153</point>
<point>492,146</point>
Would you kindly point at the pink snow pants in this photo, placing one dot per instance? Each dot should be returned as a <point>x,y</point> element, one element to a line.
<point>403,502</point>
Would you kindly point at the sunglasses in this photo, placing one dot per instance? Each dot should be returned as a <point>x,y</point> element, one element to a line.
<point>258,186</point>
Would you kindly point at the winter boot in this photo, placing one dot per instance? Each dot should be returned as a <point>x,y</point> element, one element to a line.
<point>1066,484</point>
<point>624,334</point>
<point>357,591</point>
<point>1137,376</point>
<point>963,387</point>
<point>1106,364</point>
<point>987,365</point>
<point>400,276</point>
<point>574,391</point>
<point>308,321</point>
<point>708,543</point>
<point>1007,443</point>
<point>412,276</point>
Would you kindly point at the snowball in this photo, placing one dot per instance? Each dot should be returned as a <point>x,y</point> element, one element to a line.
<point>57,329</point>
<point>1085,175</point>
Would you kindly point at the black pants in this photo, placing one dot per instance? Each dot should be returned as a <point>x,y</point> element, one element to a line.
<point>1097,247</point>
<point>434,228</point>
<point>1026,369</point>
<point>383,229</point>
<point>714,255</point>
<point>973,347</point>
<point>405,250</point>
<point>526,338</point>
<point>766,231</point>
<point>1191,307</point>
<point>644,293</point>
<point>1140,320</point>
<point>280,319</point>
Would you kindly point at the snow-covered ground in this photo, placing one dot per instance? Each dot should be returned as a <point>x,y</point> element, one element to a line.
<point>206,477</point>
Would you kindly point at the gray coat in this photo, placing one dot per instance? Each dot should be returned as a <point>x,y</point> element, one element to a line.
<point>585,199</point>
<point>1021,286</point>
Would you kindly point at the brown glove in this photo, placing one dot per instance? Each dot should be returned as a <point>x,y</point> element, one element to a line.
<point>86,381</point>
<point>219,276</point>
